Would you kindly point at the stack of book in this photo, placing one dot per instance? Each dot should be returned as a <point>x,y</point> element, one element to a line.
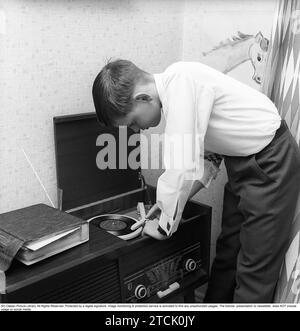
<point>37,232</point>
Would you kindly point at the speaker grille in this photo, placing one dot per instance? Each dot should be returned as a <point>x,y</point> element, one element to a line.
<point>89,283</point>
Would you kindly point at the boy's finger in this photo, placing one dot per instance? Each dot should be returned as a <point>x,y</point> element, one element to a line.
<point>152,211</point>
<point>138,224</point>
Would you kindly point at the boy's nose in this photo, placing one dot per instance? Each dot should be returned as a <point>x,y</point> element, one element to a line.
<point>134,128</point>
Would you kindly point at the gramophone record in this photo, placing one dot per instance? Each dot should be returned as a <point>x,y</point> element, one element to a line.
<point>118,225</point>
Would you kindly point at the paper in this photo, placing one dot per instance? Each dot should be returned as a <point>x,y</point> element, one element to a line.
<point>34,246</point>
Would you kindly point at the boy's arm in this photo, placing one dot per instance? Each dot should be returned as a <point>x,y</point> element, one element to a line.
<point>198,185</point>
<point>153,228</point>
<point>188,113</point>
<point>211,170</point>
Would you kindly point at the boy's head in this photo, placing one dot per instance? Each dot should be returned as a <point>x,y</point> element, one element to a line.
<point>125,95</point>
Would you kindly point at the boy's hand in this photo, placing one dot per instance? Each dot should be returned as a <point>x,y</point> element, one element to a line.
<point>154,212</point>
<point>213,157</point>
<point>150,229</point>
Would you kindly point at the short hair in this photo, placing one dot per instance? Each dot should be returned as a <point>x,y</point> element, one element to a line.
<point>113,90</point>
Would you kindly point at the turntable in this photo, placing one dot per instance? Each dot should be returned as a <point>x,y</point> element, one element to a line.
<point>118,225</point>
<point>115,265</point>
<point>125,227</point>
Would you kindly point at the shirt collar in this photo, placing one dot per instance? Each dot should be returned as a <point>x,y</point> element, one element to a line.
<point>158,78</point>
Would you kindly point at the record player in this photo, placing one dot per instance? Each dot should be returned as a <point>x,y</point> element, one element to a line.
<point>110,268</point>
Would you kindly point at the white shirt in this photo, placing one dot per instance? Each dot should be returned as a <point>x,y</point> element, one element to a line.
<point>223,115</point>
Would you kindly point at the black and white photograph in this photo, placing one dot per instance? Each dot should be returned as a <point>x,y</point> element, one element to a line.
<point>149,157</point>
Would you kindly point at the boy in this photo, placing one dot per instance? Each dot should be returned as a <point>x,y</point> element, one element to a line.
<point>262,160</point>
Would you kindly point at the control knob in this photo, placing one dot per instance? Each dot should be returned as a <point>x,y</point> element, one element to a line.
<point>190,265</point>
<point>140,292</point>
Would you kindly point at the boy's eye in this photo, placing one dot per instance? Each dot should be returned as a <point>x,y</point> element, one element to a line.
<point>143,98</point>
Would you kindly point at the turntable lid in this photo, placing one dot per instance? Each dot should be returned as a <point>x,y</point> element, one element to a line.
<point>78,175</point>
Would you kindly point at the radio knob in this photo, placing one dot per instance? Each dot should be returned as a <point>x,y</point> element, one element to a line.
<point>140,292</point>
<point>190,265</point>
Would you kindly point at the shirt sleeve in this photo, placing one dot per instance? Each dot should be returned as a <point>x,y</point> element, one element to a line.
<point>188,111</point>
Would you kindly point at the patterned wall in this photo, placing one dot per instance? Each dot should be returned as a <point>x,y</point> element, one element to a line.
<point>50,52</point>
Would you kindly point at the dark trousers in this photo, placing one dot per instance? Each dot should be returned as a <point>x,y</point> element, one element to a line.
<point>259,205</point>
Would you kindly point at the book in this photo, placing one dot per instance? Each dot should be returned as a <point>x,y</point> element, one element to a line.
<point>37,232</point>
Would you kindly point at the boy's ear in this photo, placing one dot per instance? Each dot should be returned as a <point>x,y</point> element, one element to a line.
<point>142,97</point>
<point>259,37</point>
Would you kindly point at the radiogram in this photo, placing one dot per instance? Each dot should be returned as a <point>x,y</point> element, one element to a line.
<point>108,269</point>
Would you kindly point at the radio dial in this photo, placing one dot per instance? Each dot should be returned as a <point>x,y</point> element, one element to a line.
<point>140,292</point>
<point>190,265</point>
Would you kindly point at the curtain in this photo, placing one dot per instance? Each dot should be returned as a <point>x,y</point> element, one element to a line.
<point>281,84</point>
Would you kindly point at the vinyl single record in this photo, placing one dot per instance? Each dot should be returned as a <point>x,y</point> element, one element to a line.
<point>118,225</point>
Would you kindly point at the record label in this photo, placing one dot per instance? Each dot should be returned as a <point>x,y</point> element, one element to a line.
<point>113,225</point>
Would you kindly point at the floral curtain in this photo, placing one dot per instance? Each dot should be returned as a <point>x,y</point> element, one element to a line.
<point>282,84</point>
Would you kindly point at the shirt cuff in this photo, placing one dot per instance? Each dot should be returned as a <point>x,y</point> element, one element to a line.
<point>166,224</point>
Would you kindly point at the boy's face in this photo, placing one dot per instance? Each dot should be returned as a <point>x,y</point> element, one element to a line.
<point>145,113</point>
